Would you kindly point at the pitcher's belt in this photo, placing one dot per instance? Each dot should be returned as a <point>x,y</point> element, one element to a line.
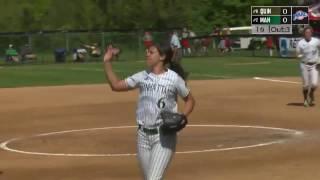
<point>148,131</point>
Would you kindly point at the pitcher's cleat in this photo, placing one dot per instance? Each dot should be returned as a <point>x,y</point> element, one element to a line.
<point>306,103</point>
<point>311,101</point>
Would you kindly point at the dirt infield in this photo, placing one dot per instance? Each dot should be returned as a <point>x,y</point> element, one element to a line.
<point>245,112</point>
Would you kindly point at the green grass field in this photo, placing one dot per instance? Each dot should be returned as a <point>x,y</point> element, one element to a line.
<point>92,73</point>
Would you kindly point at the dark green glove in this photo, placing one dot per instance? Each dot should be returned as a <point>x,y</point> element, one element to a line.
<point>172,122</point>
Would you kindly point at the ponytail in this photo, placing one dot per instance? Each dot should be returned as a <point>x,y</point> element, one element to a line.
<point>176,67</point>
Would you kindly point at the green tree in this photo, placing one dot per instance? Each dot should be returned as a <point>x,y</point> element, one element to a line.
<point>201,15</point>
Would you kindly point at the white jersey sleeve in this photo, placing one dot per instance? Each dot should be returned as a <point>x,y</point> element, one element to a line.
<point>135,80</point>
<point>182,89</point>
<point>318,43</point>
<point>299,49</point>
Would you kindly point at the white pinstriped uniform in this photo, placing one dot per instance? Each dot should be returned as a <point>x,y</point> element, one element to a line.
<point>310,56</point>
<point>157,93</point>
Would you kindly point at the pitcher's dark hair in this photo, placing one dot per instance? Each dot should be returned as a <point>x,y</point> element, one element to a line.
<point>166,50</point>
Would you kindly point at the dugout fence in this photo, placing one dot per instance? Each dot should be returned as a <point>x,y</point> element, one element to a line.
<point>43,44</point>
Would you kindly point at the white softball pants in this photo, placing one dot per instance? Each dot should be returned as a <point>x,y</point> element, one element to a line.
<point>155,152</point>
<point>309,75</point>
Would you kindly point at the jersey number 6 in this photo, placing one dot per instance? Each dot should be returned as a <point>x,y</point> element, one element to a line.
<point>161,103</point>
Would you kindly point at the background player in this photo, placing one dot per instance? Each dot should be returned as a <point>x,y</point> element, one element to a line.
<point>186,48</point>
<point>159,87</point>
<point>176,47</point>
<point>308,51</point>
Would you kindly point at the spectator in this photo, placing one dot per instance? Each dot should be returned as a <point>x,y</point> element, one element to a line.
<point>216,40</point>
<point>269,45</point>
<point>79,54</point>
<point>228,41</point>
<point>222,43</point>
<point>176,47</point>
<point>147,40</point>
<point>192,34</point>
<point>216,31</point>
<point>11,54</point>
<point>205,43</point>
<point>27,53</point>
<point>185,42</point>
<point>196,42</point>
<point>94,49</point>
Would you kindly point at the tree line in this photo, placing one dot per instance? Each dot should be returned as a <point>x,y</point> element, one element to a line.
<point>200,15</point>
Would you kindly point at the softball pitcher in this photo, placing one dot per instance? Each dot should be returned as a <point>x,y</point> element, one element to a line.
<point>308,51</point>
<point>159,87</point>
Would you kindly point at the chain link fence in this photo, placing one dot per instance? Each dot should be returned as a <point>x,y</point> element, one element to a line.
<point>46,45</point>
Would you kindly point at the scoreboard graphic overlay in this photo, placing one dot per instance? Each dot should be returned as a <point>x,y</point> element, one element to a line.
<point>277,19</point>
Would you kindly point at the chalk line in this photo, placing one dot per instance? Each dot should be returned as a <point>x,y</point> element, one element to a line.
<point>5,145</point>
<point>275,80</point>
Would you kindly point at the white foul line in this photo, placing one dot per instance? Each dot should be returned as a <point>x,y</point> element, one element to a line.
<point>275,80</point>
<point>5,144</point>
